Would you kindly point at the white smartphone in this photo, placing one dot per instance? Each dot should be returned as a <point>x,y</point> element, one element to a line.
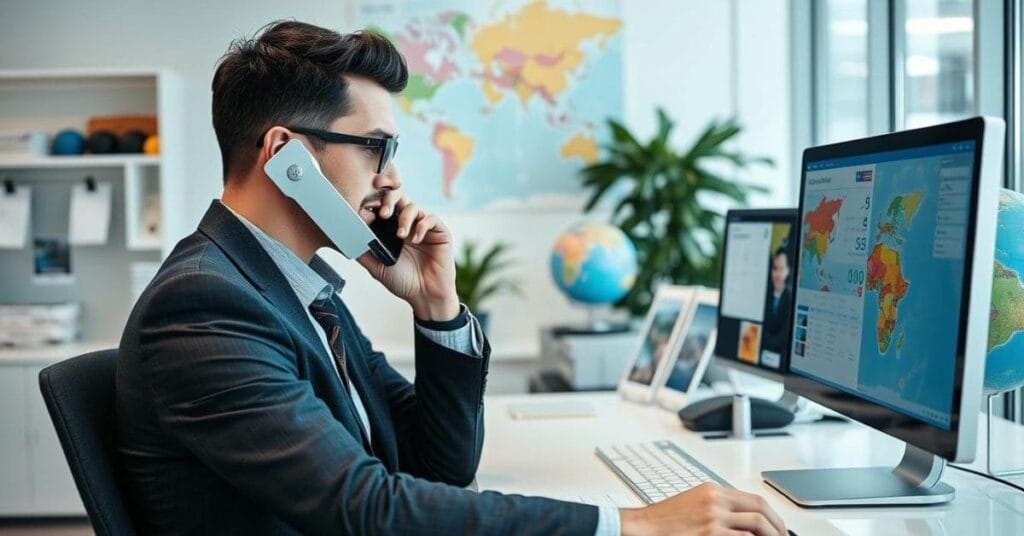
<point>298,175</point>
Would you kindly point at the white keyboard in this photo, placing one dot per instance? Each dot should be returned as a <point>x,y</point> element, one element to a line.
<point>656,470</point>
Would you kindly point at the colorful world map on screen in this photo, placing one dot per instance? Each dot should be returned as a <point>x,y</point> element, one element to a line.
<point>506,100</point>
<point>911,299</point>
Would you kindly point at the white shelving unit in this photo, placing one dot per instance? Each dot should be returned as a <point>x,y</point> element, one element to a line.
<point>53,100</point>
<point>133,167</point>
<point>34,478</point>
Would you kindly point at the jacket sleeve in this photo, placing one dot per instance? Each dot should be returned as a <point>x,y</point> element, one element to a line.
<point>439,420</point>
<point>220,368</point>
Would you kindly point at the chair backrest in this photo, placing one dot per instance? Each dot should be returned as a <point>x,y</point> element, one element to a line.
<point>79,394</point>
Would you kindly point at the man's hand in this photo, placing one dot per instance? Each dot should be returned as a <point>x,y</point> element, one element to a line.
<point>424,275</point>
<point>708,509</point>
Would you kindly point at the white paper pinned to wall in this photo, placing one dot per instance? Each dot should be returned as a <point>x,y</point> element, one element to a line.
<point>89,222</point>
<point>15,214</point>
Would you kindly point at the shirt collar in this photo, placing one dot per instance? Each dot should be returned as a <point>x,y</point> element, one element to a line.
<point>310,282</point>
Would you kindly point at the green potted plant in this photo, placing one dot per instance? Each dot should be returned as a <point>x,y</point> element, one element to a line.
<point>478,277</point>
<point>659,197</point>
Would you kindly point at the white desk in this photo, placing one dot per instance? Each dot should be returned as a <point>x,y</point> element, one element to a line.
<point>555,458</point>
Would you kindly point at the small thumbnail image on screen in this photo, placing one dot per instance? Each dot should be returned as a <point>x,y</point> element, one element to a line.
<point>750,342</point>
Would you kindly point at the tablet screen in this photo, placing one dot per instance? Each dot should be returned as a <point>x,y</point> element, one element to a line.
<point>665,314</point>
<point>694,346</point>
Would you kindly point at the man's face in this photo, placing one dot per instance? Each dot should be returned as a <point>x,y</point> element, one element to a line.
<point>352,169</point>
<point>780,271</point>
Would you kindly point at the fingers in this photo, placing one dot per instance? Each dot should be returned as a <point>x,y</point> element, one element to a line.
<point>424,225</point>
<point>749,503</point>
<point>406,218</point>
<point>393,200</point>
<point>414,223</point>
<point>752,522</point>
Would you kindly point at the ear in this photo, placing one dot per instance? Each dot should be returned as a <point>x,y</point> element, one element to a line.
<point>273,140</point>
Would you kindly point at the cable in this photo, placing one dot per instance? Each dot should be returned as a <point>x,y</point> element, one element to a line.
<point>1017,487</point>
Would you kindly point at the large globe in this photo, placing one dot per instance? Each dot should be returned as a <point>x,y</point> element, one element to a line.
<point>1004,368</point>
<point>594,263</point>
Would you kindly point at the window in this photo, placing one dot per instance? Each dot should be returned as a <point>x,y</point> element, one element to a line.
<point>938,70</point>
<point>843,66</point>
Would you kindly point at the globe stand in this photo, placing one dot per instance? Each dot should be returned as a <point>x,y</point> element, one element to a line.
<point>1002,432</point>
<point>594,325</point>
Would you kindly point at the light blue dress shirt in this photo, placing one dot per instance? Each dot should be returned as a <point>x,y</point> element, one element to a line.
<point>317,280</point>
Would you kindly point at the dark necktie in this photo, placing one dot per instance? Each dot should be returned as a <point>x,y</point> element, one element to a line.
<point>326,314</point>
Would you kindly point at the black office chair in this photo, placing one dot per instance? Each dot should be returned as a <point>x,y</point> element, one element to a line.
<point>79,394</point>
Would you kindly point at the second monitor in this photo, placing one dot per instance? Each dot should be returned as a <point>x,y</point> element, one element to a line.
<point>757,291</point>
<point>754,315</point>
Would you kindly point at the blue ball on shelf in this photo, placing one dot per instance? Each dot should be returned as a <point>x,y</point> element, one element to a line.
<point>68,142</point>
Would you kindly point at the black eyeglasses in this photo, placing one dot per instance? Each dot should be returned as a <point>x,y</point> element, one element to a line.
<point>386,146</point>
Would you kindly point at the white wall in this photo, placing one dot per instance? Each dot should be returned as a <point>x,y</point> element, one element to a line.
<point>682,55</point>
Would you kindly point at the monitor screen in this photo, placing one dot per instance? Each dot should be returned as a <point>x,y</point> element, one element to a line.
<point>663,316</point>
<point>757,288</point>
<point>694,344</point>
<point>881,276</point>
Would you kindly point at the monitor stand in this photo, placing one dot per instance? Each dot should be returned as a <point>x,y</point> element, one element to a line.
<point>915,481</point>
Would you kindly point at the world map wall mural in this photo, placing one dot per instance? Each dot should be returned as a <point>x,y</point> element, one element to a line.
<point>506,100</point>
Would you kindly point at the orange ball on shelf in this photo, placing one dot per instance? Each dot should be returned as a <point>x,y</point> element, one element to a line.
<point>151,145</point>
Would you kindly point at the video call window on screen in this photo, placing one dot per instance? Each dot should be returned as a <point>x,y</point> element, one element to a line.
<point>757,293</point>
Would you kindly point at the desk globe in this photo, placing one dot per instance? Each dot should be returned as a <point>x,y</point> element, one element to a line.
<point>1004,367</point>
<point>594,264</point>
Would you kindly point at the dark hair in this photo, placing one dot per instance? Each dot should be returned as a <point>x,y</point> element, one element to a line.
<point>293,73</point>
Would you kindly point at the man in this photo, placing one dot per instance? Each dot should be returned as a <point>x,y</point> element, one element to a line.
<point>778,304</point>
<point>249,401</point>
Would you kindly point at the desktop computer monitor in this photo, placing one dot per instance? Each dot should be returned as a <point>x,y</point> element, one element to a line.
<point>754,312</point>
<point>893,281</point>
<point>756,302</point>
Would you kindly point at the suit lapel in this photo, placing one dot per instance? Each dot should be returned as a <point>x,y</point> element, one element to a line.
<point>238,243</point>
<point>230,234</point>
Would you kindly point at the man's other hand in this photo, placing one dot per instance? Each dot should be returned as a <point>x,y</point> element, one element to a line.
<point>708,509</point>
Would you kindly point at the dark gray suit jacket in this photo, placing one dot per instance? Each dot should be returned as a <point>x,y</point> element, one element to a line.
<point>232,420</point>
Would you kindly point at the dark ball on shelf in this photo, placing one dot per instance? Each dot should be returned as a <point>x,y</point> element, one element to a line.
<point>132,141</point>
<point>102,142</point>
<point>68,142</point>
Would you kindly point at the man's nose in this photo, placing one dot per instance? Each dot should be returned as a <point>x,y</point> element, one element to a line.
<point>387,179</point>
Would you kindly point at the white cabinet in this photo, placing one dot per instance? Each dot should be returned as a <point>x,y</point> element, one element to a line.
<point>14,467</point>
<point>35,479</point>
